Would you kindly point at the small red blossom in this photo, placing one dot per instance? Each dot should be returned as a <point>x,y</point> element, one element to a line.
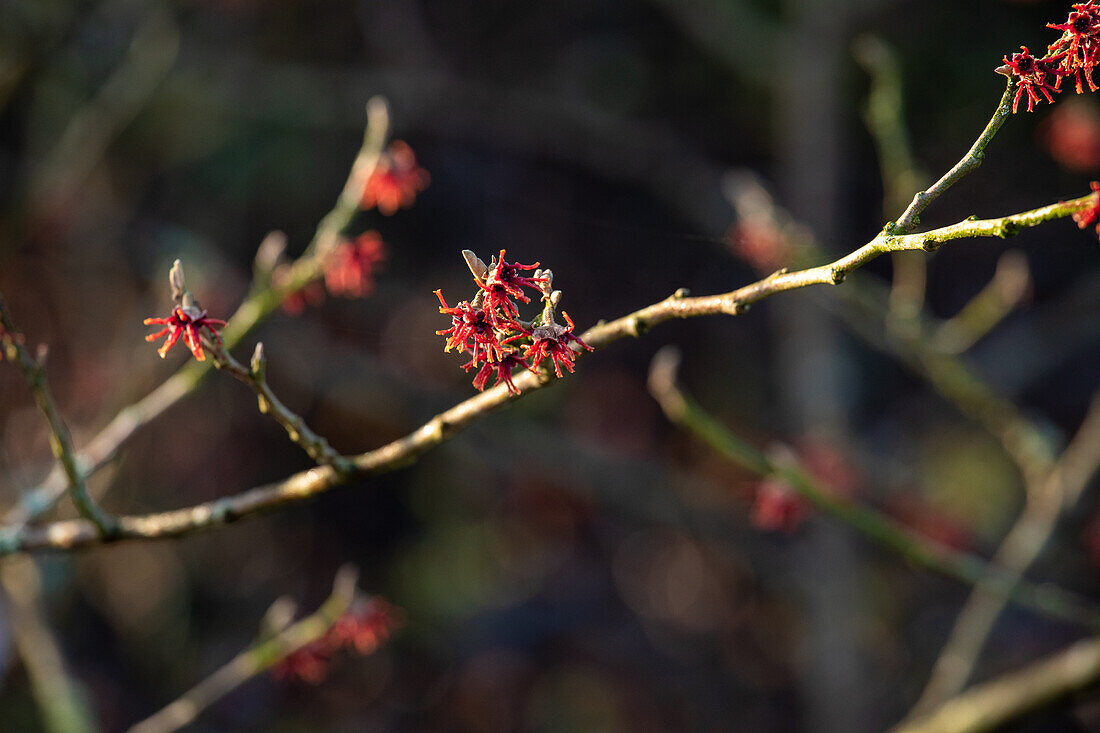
<point>1031,75</point>
<point>313,294</point>
<point>1078,50</point>
<point>502,367</point>
<point>554,341</point>
<point>306,664</point>
<point>186,321</point>
<point>504,283</point>
<point>361,630</point>
<point>365,626</point>
<point>395,181</point>
<point>351,267</point>
<point>777,507</point>
<point>1089,216</point>
<point>469,322</point>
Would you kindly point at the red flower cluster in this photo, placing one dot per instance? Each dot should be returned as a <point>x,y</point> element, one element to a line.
<point>351,267</point>
<point>395,181</point>
<point>1076,53</point>
<point>187,321</point>
<point>489,326</point>
<point>362,629</point>
<point>1091,215</point>
<point>776,507</point>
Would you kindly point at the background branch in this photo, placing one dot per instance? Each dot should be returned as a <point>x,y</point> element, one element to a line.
<point>259,657</point>
<point>60,441</point>
<point>970,569</point>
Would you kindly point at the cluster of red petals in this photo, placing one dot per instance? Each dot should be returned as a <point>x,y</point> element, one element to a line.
<point>1078,50</point>
<point>395,181</point>
<point>312,294</point>
<point>1091,215</point>
<point>487,327</point>
<point>1032,76</point>
<point>361,629</point>
<point>472,329</point>
<point>1076,53</point>
<point>505,282</point>
<point>351,267</point>
<point>554,342</point>
<point>501,369</point>
<point>776,507</point>
<point>186,322</point>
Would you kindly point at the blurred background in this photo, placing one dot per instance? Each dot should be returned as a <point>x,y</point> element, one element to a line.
<point>573,562</point>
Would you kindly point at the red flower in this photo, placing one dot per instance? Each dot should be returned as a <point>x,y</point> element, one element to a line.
<point>503,368</point>
<point>364,627</point>
<point>1088,216</point>
<point>468,322</point>
<point>350,268</point>
<point>307,664</point>
<point>395,181</point>
<point>1031,74</point>
<point>186,321</point>
<point>777,507</point>
<point>554,341</point>
<point>1077,49</point>
<point>504,283</point>
<point>313,293</point>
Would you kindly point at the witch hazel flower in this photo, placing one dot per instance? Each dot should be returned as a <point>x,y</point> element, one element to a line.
<point>555,342</point>
<point>472,329</point>
<point>350,269</point>
<point>1032,76</point>
<point>395,180</point>
<point>504,282</point>
<point>365,626</point>
<point>1079,47</point>
<point>1076,53</point>
<point>187,320</point>
<point>1091,215</point>
<point>489,327</point>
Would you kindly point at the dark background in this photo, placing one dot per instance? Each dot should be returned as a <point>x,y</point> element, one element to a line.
<point>572,562</point>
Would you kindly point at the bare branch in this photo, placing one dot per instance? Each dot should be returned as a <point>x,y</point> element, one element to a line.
<point>993,704</point>
<point>67,535</point>
<point>964,567</point>
<point>60,440</point>
<point>253,311</point>
<point>259,657</point>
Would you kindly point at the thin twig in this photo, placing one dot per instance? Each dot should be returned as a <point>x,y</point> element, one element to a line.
<point>883,116</point>
<point>253,311</point>
<point>995,703</point>
<point>910,218</point>
<point>60,441</point>
<point>965,567</point>
<point>260,656</point>
<point>66,535</point>
<point>1023,441</point>
<point>1001,295</point>
<point>1018,550</point>
<point>62,706</point>
<point>315,446</point>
